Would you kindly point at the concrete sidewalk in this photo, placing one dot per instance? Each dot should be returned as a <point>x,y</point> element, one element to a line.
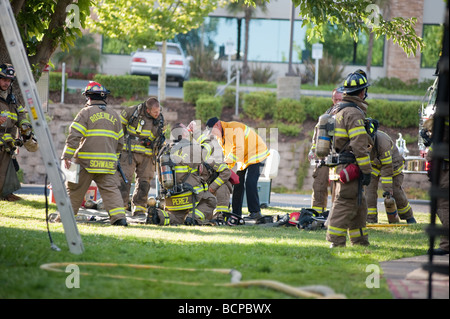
<point>408,280</point>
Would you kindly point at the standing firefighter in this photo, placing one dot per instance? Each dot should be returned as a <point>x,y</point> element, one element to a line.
<point>143,126</point>
<point>95,141</point>
<point>15,130</point>
<point>387,165</point>
<point>321,172</point>
<point>351,147</point>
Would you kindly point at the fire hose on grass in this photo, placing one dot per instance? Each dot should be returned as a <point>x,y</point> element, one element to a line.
<point>314,291</point>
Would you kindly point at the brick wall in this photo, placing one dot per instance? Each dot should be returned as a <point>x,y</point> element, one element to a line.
<point>398,64</point>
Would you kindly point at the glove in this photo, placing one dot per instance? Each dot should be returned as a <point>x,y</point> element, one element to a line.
<point>366,179</point>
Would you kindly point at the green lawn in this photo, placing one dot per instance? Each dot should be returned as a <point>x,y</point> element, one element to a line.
<point>287,255</point>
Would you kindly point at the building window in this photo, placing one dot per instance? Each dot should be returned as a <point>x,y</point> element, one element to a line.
<point>432,36</point>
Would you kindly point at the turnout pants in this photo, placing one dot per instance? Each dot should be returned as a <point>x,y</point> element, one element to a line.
<point>404,209</point>
<point>320,189</point>
<point>347,217</point>
<point>107,186</point>
<point>142,166</point>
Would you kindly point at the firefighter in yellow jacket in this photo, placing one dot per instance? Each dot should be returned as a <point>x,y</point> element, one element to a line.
<point>143,125</point>
<point>95,141</point>
<point>352,144</point>
<point>15,131</point>
<point>387,166</point>
<point>242,146</point>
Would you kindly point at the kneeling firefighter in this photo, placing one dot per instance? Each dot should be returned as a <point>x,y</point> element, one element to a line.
<point>217,175</point>
<point>182,188</point>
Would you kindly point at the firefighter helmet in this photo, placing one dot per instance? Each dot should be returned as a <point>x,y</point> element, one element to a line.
<point>355,82</point>
<point>7,71</point>
<point>96,88</point>
<point>371,126</point>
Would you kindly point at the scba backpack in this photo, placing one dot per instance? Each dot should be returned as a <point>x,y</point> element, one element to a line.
<point>307,218</point>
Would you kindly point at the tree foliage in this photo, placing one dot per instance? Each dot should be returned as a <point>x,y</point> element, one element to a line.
<point>45,25</point>
<point>144,23</point>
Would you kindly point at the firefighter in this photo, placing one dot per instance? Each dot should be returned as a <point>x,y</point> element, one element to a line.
<point>15,131</point>
<point>352,144</point>
<point>142,125</point>
<point>189,194</point>
<point>214,172</point>
<point>243,147</point>
<point>387,165</point>
<point>95,141</point>
<point>320,175</point>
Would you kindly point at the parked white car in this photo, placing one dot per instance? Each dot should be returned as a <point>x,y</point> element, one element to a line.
<point>148,62</point>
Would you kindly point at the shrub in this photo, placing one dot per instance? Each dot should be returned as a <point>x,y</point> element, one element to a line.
<point>204,66</point>
<point>229,97</point>
<point>289,130</point>
<point>261,74</point>
<point>207,107</point>
<point>290,110</point>
<point>194,89</point>
<point>125,86</point>
<point>394,114</point>
<point>315,106</point>
<point>55,82</point>
<point>258,105</point>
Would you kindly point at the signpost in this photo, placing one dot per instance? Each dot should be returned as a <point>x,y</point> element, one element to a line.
<point>317,54</point>
<point>229,50</point>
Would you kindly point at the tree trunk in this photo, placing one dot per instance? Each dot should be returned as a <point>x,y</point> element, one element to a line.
<point>369,55</point>
<point>245,68</point>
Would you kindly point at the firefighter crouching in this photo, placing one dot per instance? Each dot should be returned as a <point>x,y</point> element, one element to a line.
<point>143,125</point>
<point>214,172</point>
<point>351,157</point>
<point>15,131</point>
<point>95,140</point>
<point>183,190</point>
<point>387,165</point>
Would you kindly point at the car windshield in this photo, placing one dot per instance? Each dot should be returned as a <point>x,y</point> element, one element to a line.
<point>158,48</point>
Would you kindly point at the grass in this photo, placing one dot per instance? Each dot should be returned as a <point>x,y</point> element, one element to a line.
<point>288,255</point>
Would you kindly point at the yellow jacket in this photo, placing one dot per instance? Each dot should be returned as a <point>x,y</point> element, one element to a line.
<point>242,145</point>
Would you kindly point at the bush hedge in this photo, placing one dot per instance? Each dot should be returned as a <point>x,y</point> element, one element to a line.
<point>55,82</point>
<point>290,110</point>
<point>258,105</point>
<point>125,86</point>
<point>193,90</point>
<point>207,107</point>
<point>261,105</point>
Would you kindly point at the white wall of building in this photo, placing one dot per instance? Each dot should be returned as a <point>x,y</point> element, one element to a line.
<point>281,9</point>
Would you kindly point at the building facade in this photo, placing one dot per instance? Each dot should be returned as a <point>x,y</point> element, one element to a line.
<point>269,44</point>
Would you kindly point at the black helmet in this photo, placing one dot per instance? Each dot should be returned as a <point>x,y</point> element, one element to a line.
<point>7,71</point>
<point>95,88</point>
<point>355,82</point>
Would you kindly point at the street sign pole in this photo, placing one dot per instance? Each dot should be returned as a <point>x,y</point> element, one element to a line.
<point>317,54</point>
